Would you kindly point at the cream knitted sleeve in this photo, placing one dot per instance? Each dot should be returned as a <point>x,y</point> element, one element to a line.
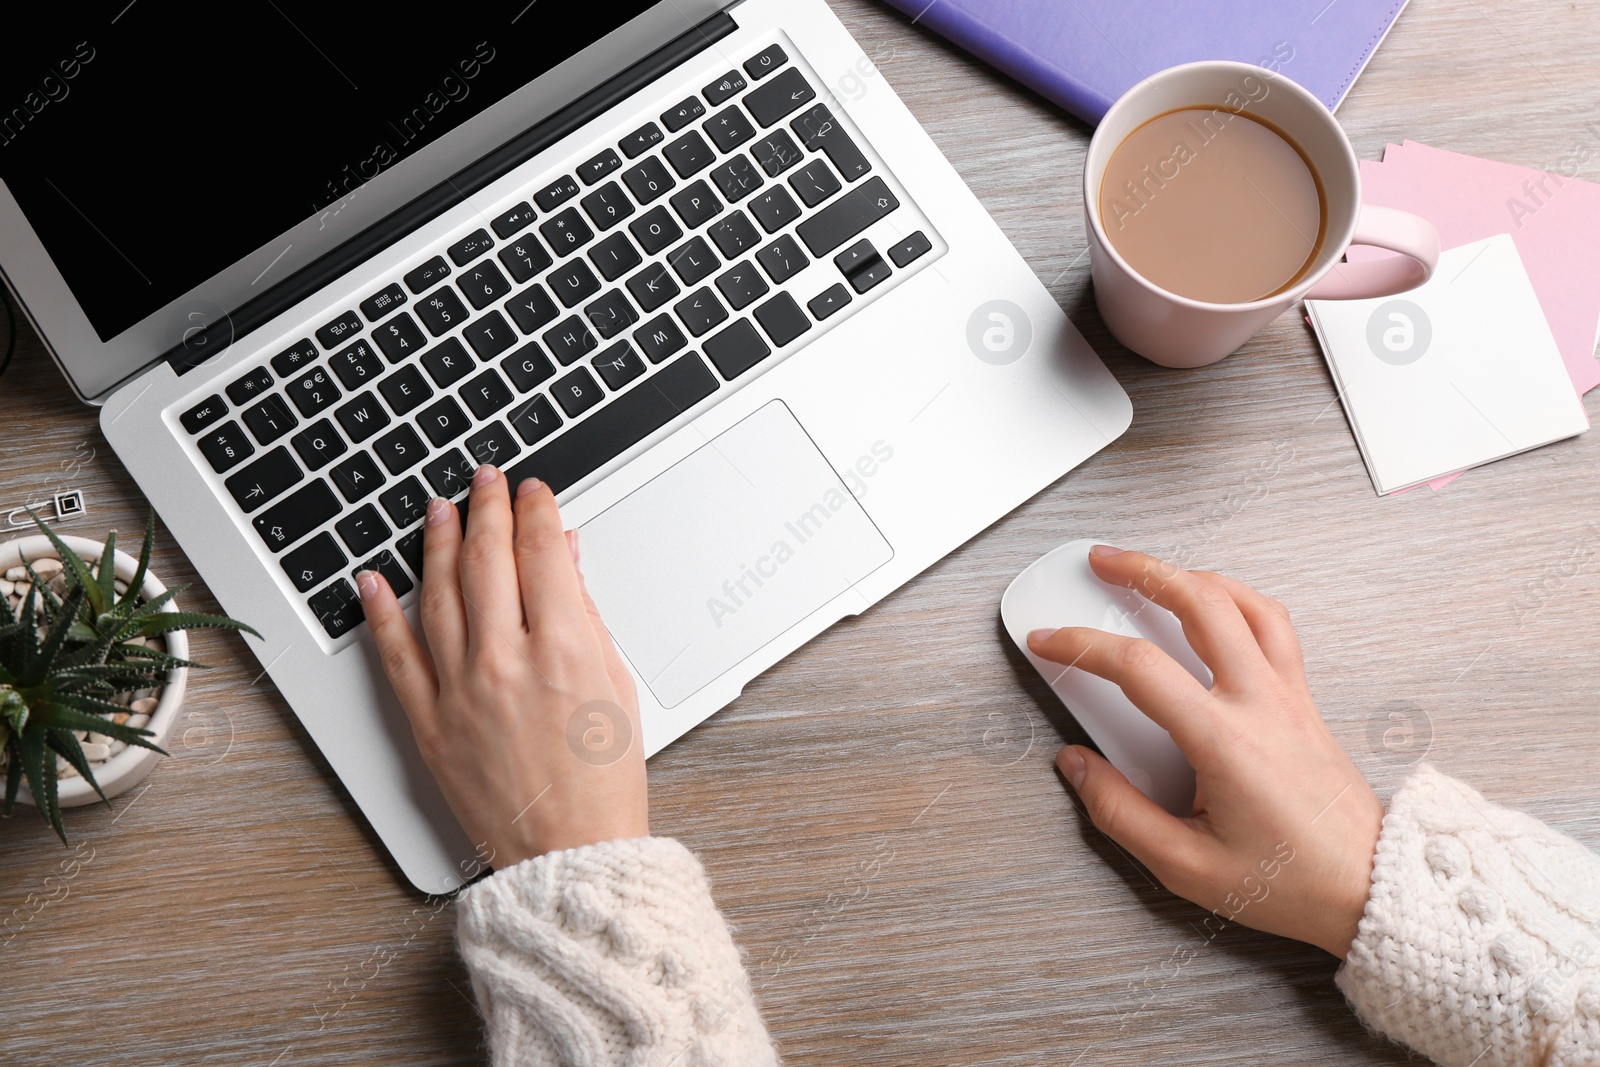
<point>1480,943</point>
<point>605,955</point>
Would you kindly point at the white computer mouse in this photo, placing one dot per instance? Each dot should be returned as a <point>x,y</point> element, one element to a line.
<point>1058,590</point>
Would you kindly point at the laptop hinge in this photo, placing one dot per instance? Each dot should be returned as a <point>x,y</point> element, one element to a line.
<point>205,345</point>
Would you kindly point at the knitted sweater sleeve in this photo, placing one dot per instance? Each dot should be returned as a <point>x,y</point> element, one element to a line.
<point>607,955</point>
<point>1480,943</point>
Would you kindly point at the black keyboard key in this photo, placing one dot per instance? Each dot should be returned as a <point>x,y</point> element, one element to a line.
<point>339,330</point>
<point>483,284</point>
<point>729,129</point>
<point>293,358</point>
<point>493,444</point>
<point>470,247</point>
<point>734,234</point>
<point>782,259</point>
<point>869,274</point>
<point>847,216</point>
<point>406,503</point>
<point>577,392</point>
<point>535,420</point>
<point>914,247</point>
<point>518,218</point>
<point>776,152</point>
<point>428,275</point>
<point>742,285</point>
<point>449,473</point>
<point>356,477</point>
<point>363,530</point>
<point>383,302</point>
<point>400,338</point>
<point>226,447</point>
<point>620,425</point>
<point>653,286</point>
<point>693,260</point>
<point>828,301</point>
<point>387,565</point>
<point>594,169</point>
<point>814,182</point>
<point>313,391</point>
<point>696,205</point>
<point>567,232</point>
<point>689,154</point>
<point>264,479</point>
<point>338,609</point>
<point>489,335</point>
<point>765,61</point>
<point>648,180</point>
<point>655,230</point>
<point>532,308</point>
<point>319,445</point>
<point>700,311</point>
<point>400,449</point>
<point>356,365</point>
<point>296,515</point>
<point>362,417</point>
<point>737,179</point>
<point>204,413</point>
<point>610,315</point>
<point>782,319</point>
<point>525,257</point>
<point>659,338</point>
<point>780,97</point>
<point>556,193</point>
<point>405,389</point>
<point>641,140</point>
<point>618,365</point>
<point>409,548</point>
<point>854,257</point>
<point>250,386</point>
<point>444,421</point>
<point>441,311</point>
<point>569,340</point>
<point>615,256</point>
<point>486,394</point>
<point>528,367</point>
<point>270,419</point>
<point>727,85</point>
<point>607,206</point>
<point>736,349</point>
<point>574,282</point>
<point>314,562</point>
<point>819,131</point>
<point>683,114</point>
<point>447,363</point>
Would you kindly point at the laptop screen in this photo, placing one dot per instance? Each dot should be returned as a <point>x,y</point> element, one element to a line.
<point>151,146</point>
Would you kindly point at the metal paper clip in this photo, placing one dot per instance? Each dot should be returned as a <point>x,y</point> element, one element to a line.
<point>66,505</point>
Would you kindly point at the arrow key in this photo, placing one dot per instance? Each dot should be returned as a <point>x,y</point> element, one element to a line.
<point>313,562</point>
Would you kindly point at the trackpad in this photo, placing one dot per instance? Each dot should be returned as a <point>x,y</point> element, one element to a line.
<point>724,551</point>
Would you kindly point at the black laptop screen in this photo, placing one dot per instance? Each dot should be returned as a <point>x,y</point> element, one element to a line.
<point>152,145</point>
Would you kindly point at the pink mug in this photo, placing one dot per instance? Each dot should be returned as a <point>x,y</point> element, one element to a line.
<point>1176,331</point>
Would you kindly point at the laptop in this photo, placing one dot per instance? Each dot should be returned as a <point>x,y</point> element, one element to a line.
<point>692,263</point>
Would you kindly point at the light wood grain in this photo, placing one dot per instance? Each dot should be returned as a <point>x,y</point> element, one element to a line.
<point>879,812</point>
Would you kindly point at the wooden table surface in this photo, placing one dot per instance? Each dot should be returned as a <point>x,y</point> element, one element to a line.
<point>880,813</point>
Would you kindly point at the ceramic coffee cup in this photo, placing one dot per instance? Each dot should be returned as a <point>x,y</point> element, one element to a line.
<point>1176,331</point>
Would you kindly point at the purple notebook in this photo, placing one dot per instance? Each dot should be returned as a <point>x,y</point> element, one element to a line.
<point>1083,54</point>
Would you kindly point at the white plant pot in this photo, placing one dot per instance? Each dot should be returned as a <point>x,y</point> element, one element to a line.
<point>127,768</point>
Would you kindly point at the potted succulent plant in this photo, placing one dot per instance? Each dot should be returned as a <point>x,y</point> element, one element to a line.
<point>93,661</point>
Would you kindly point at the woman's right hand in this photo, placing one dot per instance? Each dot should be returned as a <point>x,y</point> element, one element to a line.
<point>1284,826</point>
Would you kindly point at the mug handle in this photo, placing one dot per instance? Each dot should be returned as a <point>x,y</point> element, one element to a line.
<point>1412,236</point>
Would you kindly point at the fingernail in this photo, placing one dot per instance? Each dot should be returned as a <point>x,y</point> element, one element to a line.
<point>1072,765</point>
<point>438,508</point>
<point>367,583</point>
<point>577,548</point>
<point>1104,550</point>
<point>528,485</point>
<point>1036,637</point>
<point>483,475</point>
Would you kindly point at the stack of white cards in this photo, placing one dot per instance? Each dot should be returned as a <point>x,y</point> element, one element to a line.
<point>1459,372</point>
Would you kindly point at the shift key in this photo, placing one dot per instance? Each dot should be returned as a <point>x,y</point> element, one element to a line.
<point>847,216</point>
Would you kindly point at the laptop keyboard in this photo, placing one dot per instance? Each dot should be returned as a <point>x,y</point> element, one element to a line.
<point>569,328</point>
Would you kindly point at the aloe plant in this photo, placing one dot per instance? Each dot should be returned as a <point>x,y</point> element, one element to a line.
<point>67,656</point>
